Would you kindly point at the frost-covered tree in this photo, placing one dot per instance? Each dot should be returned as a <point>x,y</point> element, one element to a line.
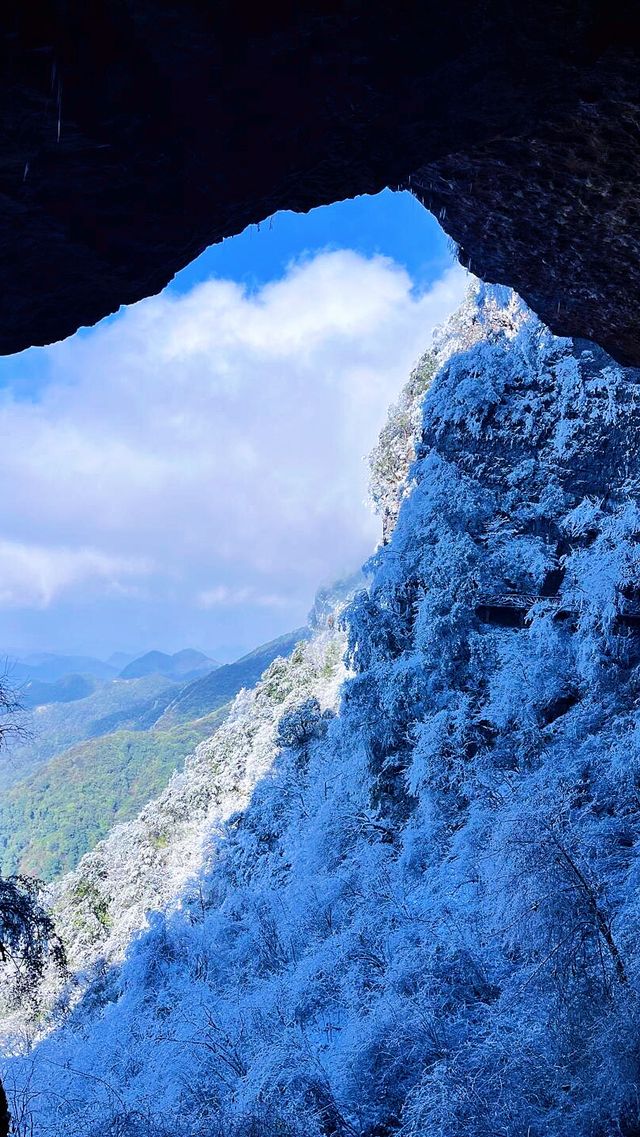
<point>390,460</point>
<point>29,941</point>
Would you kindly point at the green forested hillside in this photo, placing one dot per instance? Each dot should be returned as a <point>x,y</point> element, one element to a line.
<point>87,765</point>
<point>133,704</point>
<point>49,820</point>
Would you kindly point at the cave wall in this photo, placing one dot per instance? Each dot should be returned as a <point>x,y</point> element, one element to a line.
<point>137,132</point>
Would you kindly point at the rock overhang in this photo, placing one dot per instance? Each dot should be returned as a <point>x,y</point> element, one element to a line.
<point>138,132</point>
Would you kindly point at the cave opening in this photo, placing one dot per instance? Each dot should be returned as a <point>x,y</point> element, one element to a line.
<point>191,469</point>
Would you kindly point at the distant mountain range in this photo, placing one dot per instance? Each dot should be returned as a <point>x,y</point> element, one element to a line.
<point>48,668</point>
<point>41,680</point>
<point>40,675</point>
<point>218,687</point>
<point>97,749</point>
<point>186,664</point>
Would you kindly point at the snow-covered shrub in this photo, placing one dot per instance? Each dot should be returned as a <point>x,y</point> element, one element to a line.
<point>300,725</point>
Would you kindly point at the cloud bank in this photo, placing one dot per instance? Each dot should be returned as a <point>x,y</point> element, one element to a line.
<point>192,470</point>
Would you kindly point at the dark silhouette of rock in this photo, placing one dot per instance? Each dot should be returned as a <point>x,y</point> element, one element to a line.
<point>137,132</point>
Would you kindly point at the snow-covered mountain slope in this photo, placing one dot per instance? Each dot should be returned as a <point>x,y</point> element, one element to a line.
<point>426,919</point>
<point>392,458</point>
<point>146,864</point>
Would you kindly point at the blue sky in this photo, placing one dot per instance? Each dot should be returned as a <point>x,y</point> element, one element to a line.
<point>391,224</point>
<point>190,470</point>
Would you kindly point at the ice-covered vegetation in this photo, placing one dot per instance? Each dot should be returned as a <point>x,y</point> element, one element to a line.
<point>395,451</point>
<point>49,820</point>
<point>420,915</point>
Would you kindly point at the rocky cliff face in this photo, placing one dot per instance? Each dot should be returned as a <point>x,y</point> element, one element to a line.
<point>392,458</point>
<point>425,920</point>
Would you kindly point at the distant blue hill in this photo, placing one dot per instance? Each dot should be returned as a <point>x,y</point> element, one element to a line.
<point>50,678</point>
<point>36,693</point>
<point>120,659</point>
<point>186,664</point>
<point>48,667</point>
<point>220,686</point>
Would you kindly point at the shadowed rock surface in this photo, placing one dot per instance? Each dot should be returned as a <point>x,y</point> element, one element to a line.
<point>134,133</point>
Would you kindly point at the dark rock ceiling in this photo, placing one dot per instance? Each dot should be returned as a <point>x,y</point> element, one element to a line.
<point>137,132</point>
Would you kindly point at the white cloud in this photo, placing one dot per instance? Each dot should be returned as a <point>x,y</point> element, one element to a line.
<point>228,597</point>
<point>34,576</point>
<point>218,435</point>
